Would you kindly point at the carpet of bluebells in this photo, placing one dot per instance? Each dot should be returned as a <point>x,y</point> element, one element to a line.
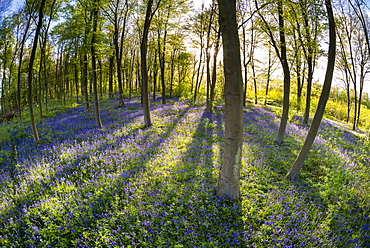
<point>129,186</point>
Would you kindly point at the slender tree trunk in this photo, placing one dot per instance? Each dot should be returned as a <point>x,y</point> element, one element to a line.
<point>348,103</point>
<point>173,54</point>
<point>131,72</point>
<point>254,80</point>
<point>2,103</point>
<point>214,70</point>
<point>161,56</point>
<point>208,58</point>
<point>284,118</point>
<point>362,80</point>
<point>269,69</point>
<point>40,86</point>
<point>76,79</point>
<point>309,89</point>
<point>144,70</point>
<point>323,98</point>
<point>21,50</point>
<point>93,63</point>
<point>30,72</point>
<point>228,182</point>
<point>110,80</point>
<point>155,74</point>
<point>85,81</point>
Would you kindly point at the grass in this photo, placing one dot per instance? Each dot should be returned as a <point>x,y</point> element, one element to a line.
<point>129,186</point>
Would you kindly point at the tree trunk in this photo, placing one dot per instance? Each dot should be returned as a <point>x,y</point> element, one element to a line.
<point>269,69</point>
<point>284,118</point>
<point>254,80</point>
<point>155,74</point>
<point>21,50</point>
<point>173,54</point>
<point>30,72</point>
<point>323,98</point>
<point>214,70</point>
<point>93,63</point>
<point>85,81</point>
<point>144,70</point>
<point>228,182</point>
<point>208,58</point>
<point>110,80</point>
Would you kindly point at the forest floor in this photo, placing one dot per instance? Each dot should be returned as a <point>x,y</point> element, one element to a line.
<point>129,186</point>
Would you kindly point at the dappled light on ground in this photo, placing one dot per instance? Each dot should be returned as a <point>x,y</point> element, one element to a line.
<point>153,187</point>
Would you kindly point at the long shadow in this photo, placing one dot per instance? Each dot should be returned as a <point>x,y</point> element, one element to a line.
<point>188,206</point>
<point>264,175</point>
<point>44,185</point>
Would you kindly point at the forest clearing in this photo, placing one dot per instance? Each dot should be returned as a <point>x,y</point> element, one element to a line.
<point>126,185</point>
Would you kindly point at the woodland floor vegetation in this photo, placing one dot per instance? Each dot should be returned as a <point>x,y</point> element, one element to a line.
<point>127,185</point>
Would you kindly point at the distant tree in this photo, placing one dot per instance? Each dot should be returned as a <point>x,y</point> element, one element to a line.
<point>118,13</point>
<point>247,45</point>
<point>6,43</point>
<point>228,182</point>
<point>44,34</point>
<point>307,17</point>
<point>354,51</point>
<point>210,39</point>
<point>292,174</point>
<point>199,29</point>
<point>359,7</point>
<point>271,68</point>
<point>28,12</point>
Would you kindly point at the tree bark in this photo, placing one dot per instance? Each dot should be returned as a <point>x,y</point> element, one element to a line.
<point>144,71</point>
<point>30,72</point>
<point>228,182</point>
<point>93,62</point>
<point>284,118</point>
<point>323,97</point>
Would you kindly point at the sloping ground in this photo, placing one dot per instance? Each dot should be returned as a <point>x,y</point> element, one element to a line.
<point>129,186</point>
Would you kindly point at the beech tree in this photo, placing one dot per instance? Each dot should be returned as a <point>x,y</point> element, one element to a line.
<point>363,51</point>
<point>228,182</point>
<point>95,15</point>
<point>28,9</point>
<point>143,53</point>
<point>310,15</point>
<point>292,174</point>
<point>354,52</point>
<point>30,71</point>
<point>281,52</point>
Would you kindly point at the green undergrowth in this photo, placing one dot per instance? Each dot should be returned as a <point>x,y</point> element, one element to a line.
<point>130,186</point>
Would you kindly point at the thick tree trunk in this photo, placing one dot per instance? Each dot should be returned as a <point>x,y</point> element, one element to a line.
<point>323,98</point>
<point>228,183</point>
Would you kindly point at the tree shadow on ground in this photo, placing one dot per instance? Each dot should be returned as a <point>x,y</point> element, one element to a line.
<point>70,174</point>
<point>284,212</point>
